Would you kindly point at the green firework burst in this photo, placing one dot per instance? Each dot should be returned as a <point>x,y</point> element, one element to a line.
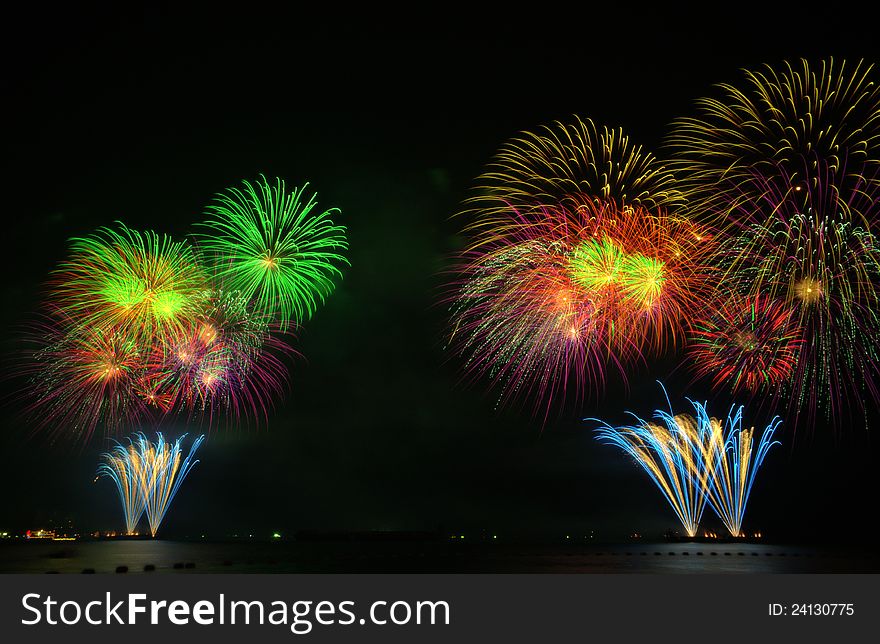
<point>275,247</point>
<point>140,283</point>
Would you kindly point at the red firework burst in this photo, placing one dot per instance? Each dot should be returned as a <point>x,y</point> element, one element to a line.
<point>82,378</point>
<point>750,344</point>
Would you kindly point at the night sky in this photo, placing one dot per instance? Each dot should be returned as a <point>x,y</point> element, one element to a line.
<point>143,116</point>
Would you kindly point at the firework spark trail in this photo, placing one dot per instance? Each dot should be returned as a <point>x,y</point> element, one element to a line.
<point>665,450</point>
<point>695,460</point>
<point>215,367</point>
<point>126,467</point>
<point>166,468</point>
<point>147,475</point>
<point>733,460</point>
<point>789,166</point>
<point>649,270</point>
<point>268,244</point>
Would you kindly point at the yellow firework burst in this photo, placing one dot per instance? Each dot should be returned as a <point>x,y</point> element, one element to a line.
<point>799,123</point>
<point>567,165</point>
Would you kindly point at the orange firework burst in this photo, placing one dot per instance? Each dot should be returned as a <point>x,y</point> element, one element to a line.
<point>648,269</point>
<point>557,299</point>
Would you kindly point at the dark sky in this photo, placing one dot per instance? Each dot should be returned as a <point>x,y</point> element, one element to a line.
<point>143,116</point>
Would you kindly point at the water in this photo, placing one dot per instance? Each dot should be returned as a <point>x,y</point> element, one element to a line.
<point>187,557</point>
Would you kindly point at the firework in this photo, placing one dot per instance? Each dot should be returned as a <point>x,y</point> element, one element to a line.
<point>819,123</point>
<point>139,327</point>
<point>808,249</point>
<point>80,377</point>
<point>649,271</point>
<point>732,458</point>
<point>225,363</point>
<point>227,360</point>
<point>749,344</point>
<point>696,459</point>
<point>140,284</point>
<point>668,450</point>
<point>522,321</point>
<point>166,468</point>
<point>567,165</point>
<point>126,467</point>
<point>272,246</point>
<point>148,475</point>
<point>556,301</point>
